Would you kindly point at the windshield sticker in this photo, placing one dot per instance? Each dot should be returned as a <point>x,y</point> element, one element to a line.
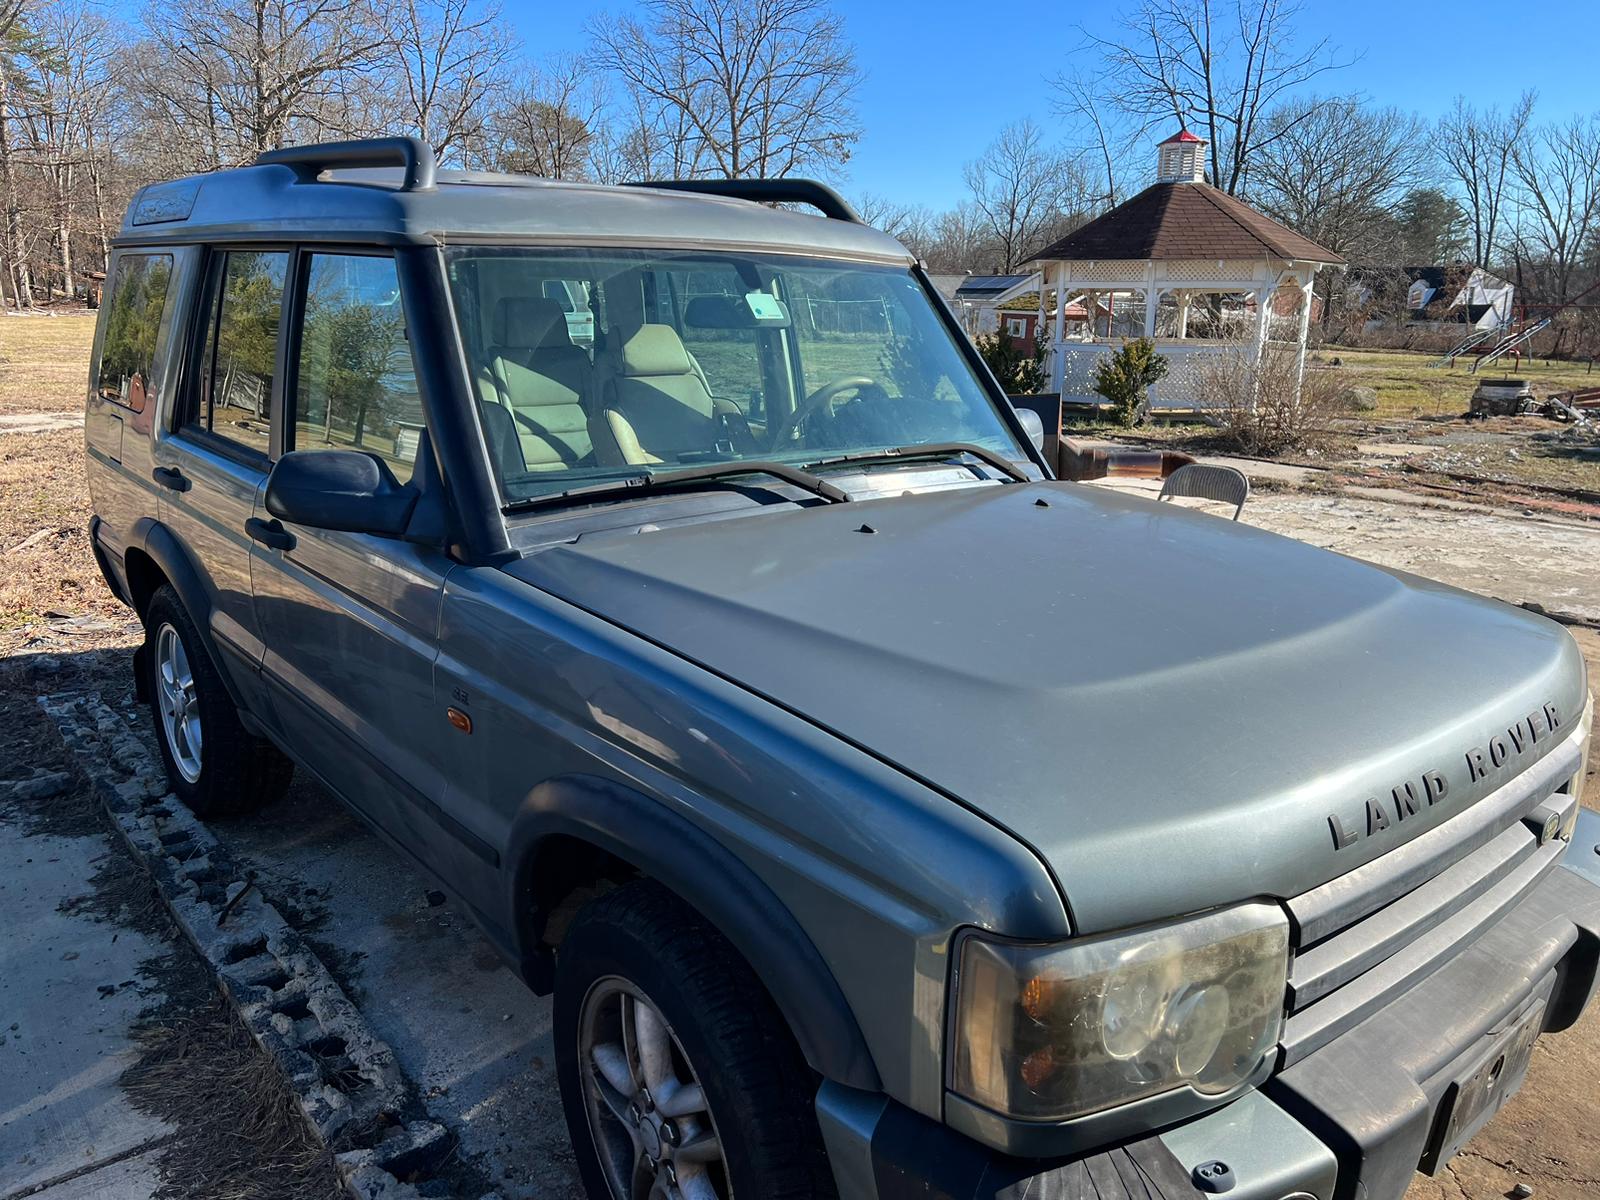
<point>765,307</point>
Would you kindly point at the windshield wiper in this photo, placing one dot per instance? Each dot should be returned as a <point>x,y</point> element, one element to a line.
<point>650,481</point>
<point>914,453</point>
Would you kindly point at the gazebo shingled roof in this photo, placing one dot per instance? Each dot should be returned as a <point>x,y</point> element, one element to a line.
<point>1184,221</point>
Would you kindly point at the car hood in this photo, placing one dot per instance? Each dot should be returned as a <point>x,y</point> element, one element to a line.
<point>1167,706</point>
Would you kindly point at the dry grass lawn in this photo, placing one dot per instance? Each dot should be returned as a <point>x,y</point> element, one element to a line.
<point>44,362</point>
<point>46,568</point>
<point>1408,387</point>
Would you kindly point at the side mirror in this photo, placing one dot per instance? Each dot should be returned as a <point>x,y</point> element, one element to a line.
<point>1033,425</point>
<point>340,489</point>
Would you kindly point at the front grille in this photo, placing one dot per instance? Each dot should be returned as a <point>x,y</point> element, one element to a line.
<point>1364,938</point>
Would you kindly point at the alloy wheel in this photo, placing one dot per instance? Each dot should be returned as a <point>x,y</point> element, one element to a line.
<point>652,1125</point>
<point>178,702</point>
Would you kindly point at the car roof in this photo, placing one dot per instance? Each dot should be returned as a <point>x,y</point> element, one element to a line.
<point>276,202</point>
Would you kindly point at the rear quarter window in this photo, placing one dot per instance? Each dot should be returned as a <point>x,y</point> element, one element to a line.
<point>139,290</point>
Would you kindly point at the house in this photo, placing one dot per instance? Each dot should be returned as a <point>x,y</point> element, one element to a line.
<point>976,299</point>
<point>1461,294</point>
<point>1022,325</point>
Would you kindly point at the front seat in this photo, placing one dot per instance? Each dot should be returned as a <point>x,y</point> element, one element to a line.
<point>656,404</point>
<point>542,380</point>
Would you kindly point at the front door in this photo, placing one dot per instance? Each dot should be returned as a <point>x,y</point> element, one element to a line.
<point>213,464</point>
<point>350,620</point>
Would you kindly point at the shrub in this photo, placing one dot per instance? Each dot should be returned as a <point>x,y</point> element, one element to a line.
<point>1258,405</point>
<point>1125,376</point>
<point>1020,374</point>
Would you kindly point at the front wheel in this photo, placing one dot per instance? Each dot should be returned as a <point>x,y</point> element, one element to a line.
<point>214,765</point>
<point>679,1078</point>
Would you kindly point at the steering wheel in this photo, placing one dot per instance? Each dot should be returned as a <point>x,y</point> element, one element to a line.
<point>820,399</point>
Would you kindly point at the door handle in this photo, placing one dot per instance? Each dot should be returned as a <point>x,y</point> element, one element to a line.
<point>269,533</point>
<point>171,477</point>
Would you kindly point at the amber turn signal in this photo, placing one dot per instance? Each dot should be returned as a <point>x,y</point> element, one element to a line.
<point>459,719</point>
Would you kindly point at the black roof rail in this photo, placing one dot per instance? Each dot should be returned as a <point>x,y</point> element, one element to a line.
<point>414,154</point>
<point>767,191</point>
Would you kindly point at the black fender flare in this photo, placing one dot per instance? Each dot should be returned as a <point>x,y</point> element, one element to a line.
<point>644,833</point>
<point>194,589</point>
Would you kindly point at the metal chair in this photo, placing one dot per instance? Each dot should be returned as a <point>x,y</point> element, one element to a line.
<point>1203,481</point>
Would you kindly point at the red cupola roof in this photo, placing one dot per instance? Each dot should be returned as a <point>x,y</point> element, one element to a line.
<point>1182,136</point>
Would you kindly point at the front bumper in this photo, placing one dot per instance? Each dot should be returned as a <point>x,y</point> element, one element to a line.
<point>1351,1120</point>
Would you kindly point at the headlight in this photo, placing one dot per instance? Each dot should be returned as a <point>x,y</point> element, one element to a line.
<point>1058,1031</point>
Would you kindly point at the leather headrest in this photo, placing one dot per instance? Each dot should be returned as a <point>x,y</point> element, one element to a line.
<point>529,323</point>
<point>654,350</point>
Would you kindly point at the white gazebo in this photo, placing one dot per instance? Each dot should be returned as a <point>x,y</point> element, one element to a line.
<point>1178,239</point>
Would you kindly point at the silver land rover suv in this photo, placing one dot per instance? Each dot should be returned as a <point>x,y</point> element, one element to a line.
<point>887,818</point>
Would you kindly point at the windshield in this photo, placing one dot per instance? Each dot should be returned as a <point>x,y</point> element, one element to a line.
<point>589,365</point>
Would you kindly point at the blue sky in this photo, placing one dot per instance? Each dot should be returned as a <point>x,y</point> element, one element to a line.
<point>942,76</point>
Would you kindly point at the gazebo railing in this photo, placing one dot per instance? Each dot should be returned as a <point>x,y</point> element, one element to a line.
<point>1183,386</point>
<point>1180,389</point>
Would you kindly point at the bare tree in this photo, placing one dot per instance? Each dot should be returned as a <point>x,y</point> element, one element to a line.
<point>241,76</point>
<point>1105,140</point>
<point>747,88</point>
<point>16,41</point>
<point>1021,186</point>
<point>1221,65</point>
<point>68,78</point>
<point>889,215</point>
<point>1477,150</point>
<point>959,240</point>
<point>450,56</point>
<point>1336,168</point>
<point>549,124</point>
<point>1560,199</point>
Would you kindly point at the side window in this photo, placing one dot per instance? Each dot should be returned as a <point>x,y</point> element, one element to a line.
<point>127,353</point>
<point>713,330</point>
<point>355,385</point>
<point>234,397</point>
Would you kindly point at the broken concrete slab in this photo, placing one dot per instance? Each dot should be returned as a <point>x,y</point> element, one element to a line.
<point>71,988</point>
<point>126,1179</point>
<point>346,1079</point>
<point>466,1030</point>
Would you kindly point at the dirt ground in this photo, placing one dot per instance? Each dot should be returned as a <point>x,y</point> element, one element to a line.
<point>1532,538</point>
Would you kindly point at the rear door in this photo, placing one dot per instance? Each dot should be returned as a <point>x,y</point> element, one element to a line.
<point>212,463</point>
<point>350,620</point>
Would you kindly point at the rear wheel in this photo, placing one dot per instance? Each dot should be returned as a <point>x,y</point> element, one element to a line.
<point>214,765</point>
<point>679,1078</point>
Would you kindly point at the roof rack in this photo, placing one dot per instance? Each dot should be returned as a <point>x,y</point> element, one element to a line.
<point>308,162</point>
<point>767,191</point>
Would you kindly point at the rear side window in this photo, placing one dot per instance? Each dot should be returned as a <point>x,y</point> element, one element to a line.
<point>355,386</point>
<point>234,400</point>
<point>128,351</point>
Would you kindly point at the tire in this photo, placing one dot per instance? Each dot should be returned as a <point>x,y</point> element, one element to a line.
<point>640,943</point>
<point>214,765</point>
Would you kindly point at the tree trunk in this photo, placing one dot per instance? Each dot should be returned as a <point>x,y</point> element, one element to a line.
<point>64,228</point>
<point>21,281</point>
<point>97,187</point>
